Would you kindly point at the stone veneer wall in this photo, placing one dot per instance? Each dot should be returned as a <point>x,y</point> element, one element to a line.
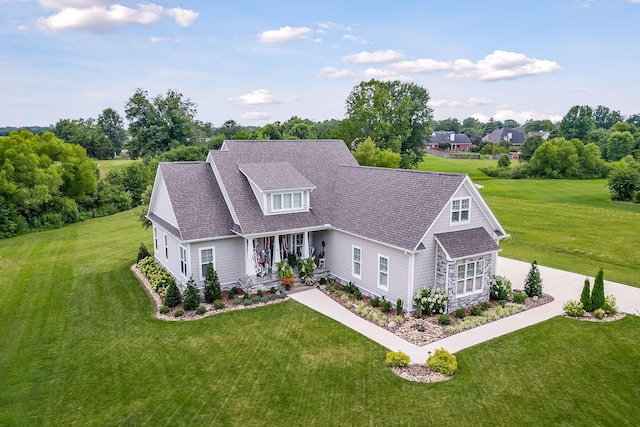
<point>471,299</point>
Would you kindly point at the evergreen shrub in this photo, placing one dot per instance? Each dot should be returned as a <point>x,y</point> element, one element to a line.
<point>442,361</point>
<point>585,296</point>
<point>519,298</point>
<point>533,281</point>
<point>191,296</point>
<point>597,294</point>
<point>444,319</point>
<point>397,359</point>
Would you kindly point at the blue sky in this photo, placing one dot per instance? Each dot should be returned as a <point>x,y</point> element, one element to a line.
<point>261,61</point>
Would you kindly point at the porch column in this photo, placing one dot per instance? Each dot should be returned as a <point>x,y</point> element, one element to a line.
<point>305,244</point>
<point>249,264</point>
<point>276,253</point>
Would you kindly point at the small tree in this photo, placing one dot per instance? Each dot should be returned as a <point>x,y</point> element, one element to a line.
<point>585,297</point>
<point>143,252</point>
<point>191,296</point>
<point>597,294</point>
<point>211,285</point>
<point>172,297</point>
<point>533,282</point>
<point>504,162</point>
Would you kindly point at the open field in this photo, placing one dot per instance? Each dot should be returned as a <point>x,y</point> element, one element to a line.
<point>79,346</point>
<point>566,224</point>
<point>104,166</point>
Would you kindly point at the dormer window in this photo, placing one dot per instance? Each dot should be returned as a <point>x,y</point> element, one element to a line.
<point>286,201</point>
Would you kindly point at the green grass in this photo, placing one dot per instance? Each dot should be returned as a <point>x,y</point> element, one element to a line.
<point>79,346</point>
<point>104,166</point>
<point>566,224</point>
<point>468,166</point>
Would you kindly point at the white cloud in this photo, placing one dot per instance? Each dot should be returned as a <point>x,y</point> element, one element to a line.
<point>162,39</point>
<point>503,114</point>
<point>96,16</point>
<point>383,75</point>
<point>256,116</point>
<point>335,73</point>
<point>355,39</point>
<point>255,97</point>
<point>183,17</point>
<point>373,57</point>
<point>499,65</point>
<point>283,35</point>
<point>471,102</point>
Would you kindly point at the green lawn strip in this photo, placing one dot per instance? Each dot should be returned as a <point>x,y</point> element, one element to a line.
<point>467,166</point>
<point>104,166</point>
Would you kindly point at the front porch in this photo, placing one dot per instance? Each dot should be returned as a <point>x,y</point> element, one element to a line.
<point>251,284</point>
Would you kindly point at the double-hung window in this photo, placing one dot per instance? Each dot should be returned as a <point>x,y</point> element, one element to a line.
<point>460,210</point>
<point>286,201</point>
<point>166,248</point>
<point>356,262</point>
<point>383,272</point>
<point>470,277</point>
<point>206,257</point>
<point>155,239</point>
<point>183,261</point>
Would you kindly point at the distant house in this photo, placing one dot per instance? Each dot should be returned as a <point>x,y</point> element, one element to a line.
<point>458,141</point>
<point>391,232</point>
<point>514,136</point>
<point>544,134</point>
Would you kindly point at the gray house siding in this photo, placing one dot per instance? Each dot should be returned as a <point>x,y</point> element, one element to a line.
<point>228,260</point>
<point>161,204</point>
<point>171,262</point>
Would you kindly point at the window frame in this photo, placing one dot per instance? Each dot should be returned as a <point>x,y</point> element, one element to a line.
<point>297,246</point>
<point>460,210</point>
<point>202,264</point>
<point>355,262</point>
<point>155,238</point>
<point>282,197</point>
<point>476,279</point>
<point>166,247</point>
<point>184,261</point>
<point>384,287</point>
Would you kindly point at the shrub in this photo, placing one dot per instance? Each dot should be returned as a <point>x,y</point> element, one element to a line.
<point>519,298</point>
<point>212,286</point>
<point>259,293</point>
<point>272,297</point>
<point>264,299</point>
<point>500,288</point>
<point>610,305</point>
<point>385,306</point>
<point>350,288</point>
<point>172,297</point>
<point>282,295</point>
<point>623,183</point>
<point>178,313</point>
<point>272,290</point>
<point>585,296</point>
<point>375,302</point>
<point>573,308</point>
<point>143,253</point>
<point>191,296</point>
<point>399,304</point>
<point>255,300</point>
<point>430,300</point>
<point>533,281</point>
<point>163,309</point>
<point>201,310</point>
<point>504,161</point>
<point>237,301</point>
<point>397,359</point>
<point>597,294</point>
<point>442,361</point>
<point>636,197</point>
<point>357,294</point>
<point>460,313</point>
<point>502,303</point>
<point>444,319</point>
<point>485,306</point>
<point>233,292</point>
<point>475,311</point>
<point>218,304</point>
<point>247,302</point>
<point>599,313</point>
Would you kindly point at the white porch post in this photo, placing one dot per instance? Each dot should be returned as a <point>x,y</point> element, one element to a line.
<point>305,244</point>
<point>276,253</point>
<point>249,264</point>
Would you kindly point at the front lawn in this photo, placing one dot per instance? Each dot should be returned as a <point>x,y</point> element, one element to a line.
<point>79,346</point>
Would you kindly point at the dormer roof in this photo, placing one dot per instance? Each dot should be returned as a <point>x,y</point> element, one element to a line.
<point>275,176</point>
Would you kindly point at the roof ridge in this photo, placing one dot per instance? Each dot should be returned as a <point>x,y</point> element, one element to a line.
<point>405,170</point>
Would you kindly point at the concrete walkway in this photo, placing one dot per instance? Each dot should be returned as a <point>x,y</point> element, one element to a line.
<point>562,285</point>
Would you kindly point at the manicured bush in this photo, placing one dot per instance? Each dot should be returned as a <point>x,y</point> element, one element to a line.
<point>597,294</point>
<point>573,308</point>
<point>143,253</point>
<point>233,292</point>
<point>218,304</point>
<point>237,301</point>
<point>485,306</point>
<point>272,297</point>
<point>191,296</point>
<point>255,300</point>
<point>475,311</point>
<point>357,294</point>
<point>259,293</point>
<point>375,302</point>
<point>598,313</point>
<point>350,288</point>
<point>264,299</point>
<point>247,302</point>
<point>178,313</point>
<point>272,290</point>
<point>282,295</point>
<point>201,310</point>
<point>444,319</point>
<point>163,309</point>
<point>442,361</point>
<point>430,300</point>
<point>460,313</point>
<point>158,277</point>
<point>399,304</point>
<point>585,296</point>
<point>385,306</point>
<point>172,297</point>
<point>636,197</point>
<point>533,281</point>
<point>502,303</point>
<point>519,297</point>
<point>397,359</point>
<point>212,290</point>
<point>610,305</point>
<point>499,288</point>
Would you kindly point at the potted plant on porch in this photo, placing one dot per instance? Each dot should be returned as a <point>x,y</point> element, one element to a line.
<point>285,273</point>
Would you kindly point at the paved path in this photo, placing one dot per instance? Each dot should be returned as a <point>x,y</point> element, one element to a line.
<point>562,285</point>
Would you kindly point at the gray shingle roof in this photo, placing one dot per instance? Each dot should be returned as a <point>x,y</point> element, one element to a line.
<point>197,200</point>
<point>275,176</point>
<point>467,243</point>
<point>502,134</point>
<point>458,138</point>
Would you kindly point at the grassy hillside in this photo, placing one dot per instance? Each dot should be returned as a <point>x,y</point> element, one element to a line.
<point>79,346</point>
<point>566,224</point>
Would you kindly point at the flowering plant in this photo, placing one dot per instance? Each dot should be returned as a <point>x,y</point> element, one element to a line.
<point>287,281</point>
<point>431,300</point>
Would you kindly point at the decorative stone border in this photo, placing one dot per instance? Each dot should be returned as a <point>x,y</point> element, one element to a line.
<point>419,373</point>
<point>608,318</point>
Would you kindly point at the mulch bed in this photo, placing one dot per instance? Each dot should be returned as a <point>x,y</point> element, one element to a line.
<point>588,317</point>
<point>419,373</point>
